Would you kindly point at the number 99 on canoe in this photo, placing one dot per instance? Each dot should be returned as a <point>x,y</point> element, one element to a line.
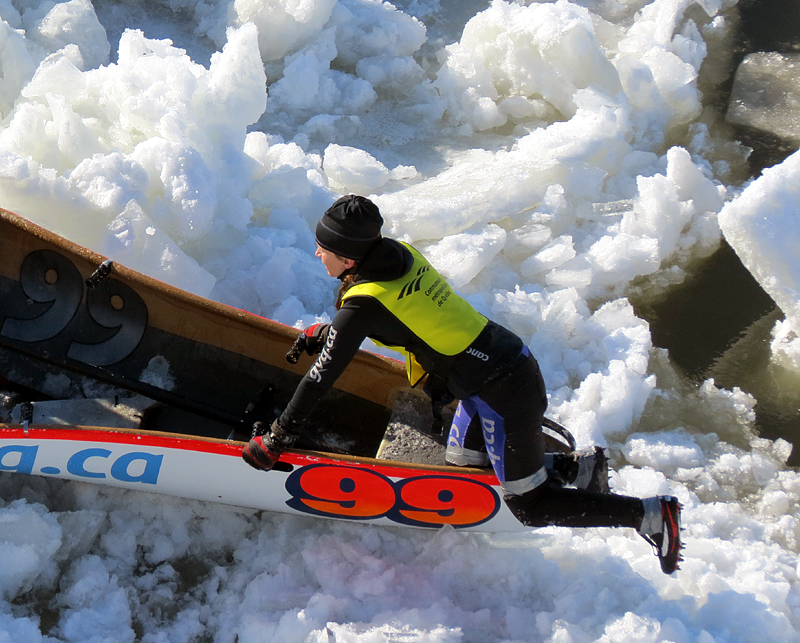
<point>352,493</point>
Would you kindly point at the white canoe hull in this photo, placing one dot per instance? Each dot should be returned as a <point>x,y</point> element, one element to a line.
<point>320,484</point>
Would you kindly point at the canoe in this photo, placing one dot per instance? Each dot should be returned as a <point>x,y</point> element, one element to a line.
<point>69,313</point>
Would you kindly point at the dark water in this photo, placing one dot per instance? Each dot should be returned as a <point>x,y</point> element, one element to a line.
<point>769,25</point>
<point>717,323</point>
<point>702,318</point>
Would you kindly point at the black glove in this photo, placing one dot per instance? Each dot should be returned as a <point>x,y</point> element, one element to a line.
<point>260,453</point>
<point>264,450</point>
<point>316,336</point>
<point>311,340</point>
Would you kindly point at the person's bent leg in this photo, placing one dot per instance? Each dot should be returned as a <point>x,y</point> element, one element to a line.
<point>511,413</point>
<point>656,519</point>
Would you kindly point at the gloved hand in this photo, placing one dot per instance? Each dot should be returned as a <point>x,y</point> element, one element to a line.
<point>264,451</point>
<point>316,336</point>
<point>311,340</point>
<point>260,453</point>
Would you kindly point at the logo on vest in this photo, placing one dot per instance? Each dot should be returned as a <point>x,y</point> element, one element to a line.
<point>413,286</point>
<point>476,353</point>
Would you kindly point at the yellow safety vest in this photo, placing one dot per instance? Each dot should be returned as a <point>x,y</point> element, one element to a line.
<point>425,303</point>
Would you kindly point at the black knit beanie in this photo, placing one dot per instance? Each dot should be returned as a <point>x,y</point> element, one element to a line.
<point>350,227</point>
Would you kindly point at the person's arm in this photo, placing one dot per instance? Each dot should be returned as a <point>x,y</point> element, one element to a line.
<point>348,329</point>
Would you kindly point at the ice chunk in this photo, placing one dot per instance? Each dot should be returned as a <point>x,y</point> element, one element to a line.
<point>368,29</point>
<point>135,241</point>
<point>29,537</point>
<point>53,26</point>
<point>542,51</point>
<point>353,170</point>
<point>766,94</point>
<point>554,254</point>
<point>158,374</point>
<point>309,83</point>
<point>763,225</point>
<point>283,27</point>
<point>181,188</point>
<point>461,257</point>
<point>350,169</point>
<point>17,63</point>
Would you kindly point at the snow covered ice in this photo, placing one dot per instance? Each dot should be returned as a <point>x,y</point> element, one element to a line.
<point>556,161</point>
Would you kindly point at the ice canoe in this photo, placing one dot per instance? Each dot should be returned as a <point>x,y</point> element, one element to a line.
<point>66,311</point>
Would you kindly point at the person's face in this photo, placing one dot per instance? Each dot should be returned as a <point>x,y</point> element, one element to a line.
<point>334,264</point>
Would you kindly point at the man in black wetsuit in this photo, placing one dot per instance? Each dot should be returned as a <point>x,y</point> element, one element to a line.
<point>393,295</point>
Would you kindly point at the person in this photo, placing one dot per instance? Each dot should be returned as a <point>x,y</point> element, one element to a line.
<point>390,293</point>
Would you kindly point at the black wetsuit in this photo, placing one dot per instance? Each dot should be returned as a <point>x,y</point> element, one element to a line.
<point>498,382</point>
